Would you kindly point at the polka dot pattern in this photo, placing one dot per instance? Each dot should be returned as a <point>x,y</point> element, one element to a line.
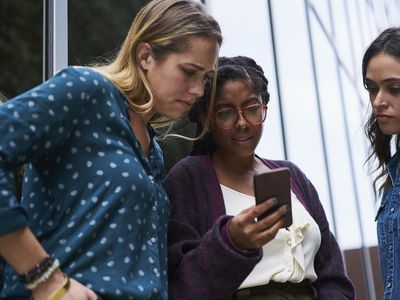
<point>90,194</point>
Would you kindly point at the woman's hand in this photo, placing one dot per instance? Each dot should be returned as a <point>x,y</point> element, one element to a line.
<point>76,291</point>
<point>248,234</point>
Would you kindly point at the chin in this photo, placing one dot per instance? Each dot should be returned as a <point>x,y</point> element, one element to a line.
<point>244,154</point>
<point>390,131</point>
<point>172,114</point>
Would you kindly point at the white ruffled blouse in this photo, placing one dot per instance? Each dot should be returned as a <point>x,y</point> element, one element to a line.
<point>290,255</point>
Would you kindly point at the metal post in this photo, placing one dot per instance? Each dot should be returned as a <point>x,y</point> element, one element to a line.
<point>366,260</point>
<point>47,39</point>
<point>321,124</point>
<point>55,33</point>
<point>278,84</point>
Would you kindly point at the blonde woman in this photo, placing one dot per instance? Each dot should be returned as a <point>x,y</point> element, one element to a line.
<point>93,219</point>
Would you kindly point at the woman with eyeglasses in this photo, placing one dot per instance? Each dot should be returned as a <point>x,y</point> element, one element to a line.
<point>217,249</point>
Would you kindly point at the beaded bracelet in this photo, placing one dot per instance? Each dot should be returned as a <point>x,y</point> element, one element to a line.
<point>44,276</point>
<point>62,290</point>
<point>37,270</point>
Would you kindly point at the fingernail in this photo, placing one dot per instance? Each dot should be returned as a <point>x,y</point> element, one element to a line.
<point>287,208</point>
<point>274,200</point>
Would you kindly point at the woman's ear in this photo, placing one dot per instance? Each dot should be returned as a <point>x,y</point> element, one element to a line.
<point>144,56</point>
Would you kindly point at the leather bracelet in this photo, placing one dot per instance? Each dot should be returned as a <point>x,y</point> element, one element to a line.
<point>62,290</point>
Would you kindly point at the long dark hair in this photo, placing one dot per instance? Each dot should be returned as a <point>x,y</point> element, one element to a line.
<point>240,68</point>
<point>387,42</point>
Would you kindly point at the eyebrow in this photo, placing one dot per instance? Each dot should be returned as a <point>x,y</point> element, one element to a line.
<point>387,80</point>
<point>244,102</point>
<point>195,66</point>
<point>200,68</point>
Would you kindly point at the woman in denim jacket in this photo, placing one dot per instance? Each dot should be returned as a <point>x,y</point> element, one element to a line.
<point>381,77</point>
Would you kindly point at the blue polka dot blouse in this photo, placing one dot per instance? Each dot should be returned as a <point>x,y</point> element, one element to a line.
<point>90,195</point>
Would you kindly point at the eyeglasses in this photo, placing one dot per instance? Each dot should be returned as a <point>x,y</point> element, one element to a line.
<point>254,114</point>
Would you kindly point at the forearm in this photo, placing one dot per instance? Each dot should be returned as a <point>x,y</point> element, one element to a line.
<point>203,271</point>
<point>21,250</point>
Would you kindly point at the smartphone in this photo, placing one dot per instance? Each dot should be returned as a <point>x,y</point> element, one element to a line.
<point>274,183</point>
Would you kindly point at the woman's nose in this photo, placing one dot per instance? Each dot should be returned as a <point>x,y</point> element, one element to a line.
<point>380,100</point>
<point>241,122</point>
<point>197,89</point>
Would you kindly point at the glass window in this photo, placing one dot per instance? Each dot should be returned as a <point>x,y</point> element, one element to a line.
<point>298,95</point>
<point>97,29</point>
<point>343,189</point>
<point>251,37</point>
<point>342,36</point>
<point>357,116</point>
<point>21,46</point>
<point>321,7</point>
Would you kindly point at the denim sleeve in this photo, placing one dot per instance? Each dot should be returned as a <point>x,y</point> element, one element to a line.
<point>34,124</point>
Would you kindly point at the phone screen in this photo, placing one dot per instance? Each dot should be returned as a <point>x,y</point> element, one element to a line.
<point>274,183</point>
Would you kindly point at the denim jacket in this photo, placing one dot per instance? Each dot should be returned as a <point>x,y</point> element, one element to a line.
<point>388,225</point>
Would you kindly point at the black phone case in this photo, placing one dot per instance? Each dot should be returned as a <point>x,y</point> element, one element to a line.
<point>275,183</point>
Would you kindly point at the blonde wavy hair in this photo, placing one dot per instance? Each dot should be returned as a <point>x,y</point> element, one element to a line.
<point>168,27</point>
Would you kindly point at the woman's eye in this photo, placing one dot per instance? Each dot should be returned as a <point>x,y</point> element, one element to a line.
<point>189,73</point>
<point>371,89</point>
<point>253,109</point>
<point>225,114</point>
<point>208,77</point>
<point>394,90</point>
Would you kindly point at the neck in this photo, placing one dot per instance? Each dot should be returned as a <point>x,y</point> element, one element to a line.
<point>143,118</point>
<point>139,126</point>
<point>234,165</point>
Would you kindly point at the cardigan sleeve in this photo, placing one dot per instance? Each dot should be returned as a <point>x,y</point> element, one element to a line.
<point>332,282</point>
<point>200,257</point>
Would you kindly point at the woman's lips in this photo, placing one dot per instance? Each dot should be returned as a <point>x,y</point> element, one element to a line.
<point>242,139</point>
<point>383,117</point>
<point>185,103</point>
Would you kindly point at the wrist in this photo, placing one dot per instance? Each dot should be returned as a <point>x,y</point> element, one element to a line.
<point>237,246</point>
<point>44,289</point>
<point>41,272</point>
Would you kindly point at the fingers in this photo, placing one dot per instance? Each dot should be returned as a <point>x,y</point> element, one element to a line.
<point>270,233</point>
<point>265,206</point>
<point>255,211</point>
<point>92,295</point>
<point>273,218</point>
<point>79,291</point>
<point>248,234</point>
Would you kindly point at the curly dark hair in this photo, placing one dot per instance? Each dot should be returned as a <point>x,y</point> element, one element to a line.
<point>387,42</point>
<point>238,68</point>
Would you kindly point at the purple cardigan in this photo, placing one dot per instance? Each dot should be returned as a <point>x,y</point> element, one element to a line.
<point>203,262</point>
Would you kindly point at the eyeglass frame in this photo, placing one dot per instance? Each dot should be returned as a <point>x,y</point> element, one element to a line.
<point>240,112</point>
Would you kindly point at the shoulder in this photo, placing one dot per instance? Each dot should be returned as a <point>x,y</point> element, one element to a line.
<point>301,183</point>
<point>189,164</point>
<point>191,171</point>
<point>83,75</point>
<point>293,168</point>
